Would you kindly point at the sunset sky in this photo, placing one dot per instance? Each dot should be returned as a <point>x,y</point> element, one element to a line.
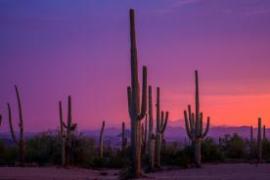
<point>52,49</point>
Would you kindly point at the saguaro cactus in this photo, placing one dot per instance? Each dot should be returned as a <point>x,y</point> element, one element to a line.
<point>161,123</point>
<point>136,106</point>
<point>19,142</point>
<point>264,133</point>
<point>124,138</point>
<point>101,140</point>
<point>62,135</point>
<point>194,125</point>
<point>251,133</point>
<point>151,136</point>
<point>259,141</point>
<point>0,120</point>
<point>70,127</point>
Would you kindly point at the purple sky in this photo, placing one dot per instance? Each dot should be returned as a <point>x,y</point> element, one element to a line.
<point>54,48</point>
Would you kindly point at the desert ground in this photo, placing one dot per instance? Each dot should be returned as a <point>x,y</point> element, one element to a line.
<point>208,172</point>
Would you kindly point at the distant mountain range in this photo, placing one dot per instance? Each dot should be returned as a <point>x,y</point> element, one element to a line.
<point>174,132</point>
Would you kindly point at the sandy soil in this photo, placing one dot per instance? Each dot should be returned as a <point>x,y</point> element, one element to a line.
<point>218,172</point>
<point>208,172</point>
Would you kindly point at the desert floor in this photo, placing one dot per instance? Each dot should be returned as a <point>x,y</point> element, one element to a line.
<point>208,172</point>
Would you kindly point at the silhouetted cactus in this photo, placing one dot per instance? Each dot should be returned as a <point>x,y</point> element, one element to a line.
<point>19,142</point>
<point>259,141</point>
<point>251,134</point>
<point>0,120</point>
<point>101,140</point>
<point>161,123</point>
<point>70,127</point>
<point>264,133</point>
<point>194,125</point>
<point>137,107</point>
<point>62,135</point>
<point>124,138</point>
<point>151,136</point>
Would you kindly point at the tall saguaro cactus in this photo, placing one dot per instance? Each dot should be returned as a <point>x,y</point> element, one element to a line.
<point>101,140</point>
<point>19,142</point>
<point>194,125</point>
<point>161,123</point>
<point>124,138</point>
<point>151,136</point>
<point>66,130</point>
<point>136,105</point>
<point>259,141</point>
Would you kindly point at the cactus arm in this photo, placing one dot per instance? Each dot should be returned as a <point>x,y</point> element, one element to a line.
<point>64,125</point>
<point>0,119</point>
<point>144,94</point>
<point>158,110</point>
<point>191,120</point>
<point>73,127</point>
<point>197,103</point>
<point>207,127</point>
<point>20,116</point>
<point>11,125</point>
<point>165,122</point>
<point>187,125</point>
<point>61,118</point>
<point>101,140</point>
<point>150,110</point>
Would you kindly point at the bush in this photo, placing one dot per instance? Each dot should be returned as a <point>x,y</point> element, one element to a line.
<point>211,152</point>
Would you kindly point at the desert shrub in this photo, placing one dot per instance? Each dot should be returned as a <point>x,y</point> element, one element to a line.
<point>234,147</point>
<point>112,158</point>
<point>8,154</point>
<point>44,148</point>
<point>176,157</point>
<point>83,150</point>
<point>266,150</point>
<point>211,152</point>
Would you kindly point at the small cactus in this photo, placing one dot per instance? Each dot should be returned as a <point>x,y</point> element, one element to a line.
<point>194,125</point>
<point>264,133</point>
<point>20,142</point>
<point>151,135</point>
<point>0,120</point>
<point>124,138</point>
<point>259,141</point>
<point>62,135</point>
<point>136,105</point>
<point>161,123</point>
<point>101,140</point>
<point>251,134</point>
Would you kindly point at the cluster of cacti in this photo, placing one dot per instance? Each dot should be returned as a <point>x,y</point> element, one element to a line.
<point>19,142</point>
<point>101,140</point>
<point>66,130</point>
<point>123,137</point>
<point>136,105</point>
<point>194,125</point>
